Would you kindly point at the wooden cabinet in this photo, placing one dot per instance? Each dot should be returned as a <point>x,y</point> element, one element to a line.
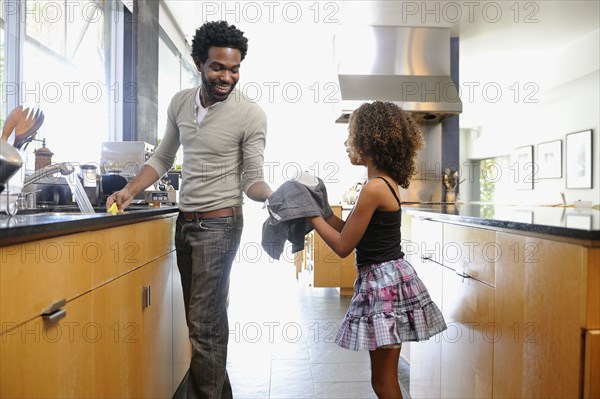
<point>327,265</point>
<point>421,246</point>
<point>158,327</point>
<point>35,275</point>
<point>118,337</point>
<point>541,312</point>
<point>469,257</point>
<point>468,343</point>
<point>325,268</point>
<point>523,314</point>
<point>123,336</point>
<point>471,251</point>
<point>591,382</point>
<point>44,359</point>
<point>458,362</point>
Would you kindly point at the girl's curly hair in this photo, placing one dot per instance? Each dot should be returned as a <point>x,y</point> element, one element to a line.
<point>389,136</point>
<point>218,34</point>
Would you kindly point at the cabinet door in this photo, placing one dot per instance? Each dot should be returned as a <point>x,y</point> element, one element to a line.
<point>41,359</point>
<point>540,310</point>
<point>158,327</point>
<point>591,382</point>
<point>327,265</point>
<point>425,357</point>
<point>329,269</point>
<point>468,344</point>
<point>118,337</point>
<point>34,275</point>
<point>472,251</point>
<point>125,248</point>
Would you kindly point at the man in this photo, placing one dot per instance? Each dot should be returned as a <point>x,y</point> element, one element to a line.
<point>223,138</point>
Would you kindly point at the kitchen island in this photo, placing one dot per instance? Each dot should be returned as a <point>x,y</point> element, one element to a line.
<point>519,288</point>
<point>91,305</point>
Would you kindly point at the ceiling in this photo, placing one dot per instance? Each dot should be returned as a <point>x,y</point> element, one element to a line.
<point>523,23</point>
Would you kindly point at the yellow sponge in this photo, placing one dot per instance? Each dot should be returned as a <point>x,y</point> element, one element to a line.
<point>113,209</point>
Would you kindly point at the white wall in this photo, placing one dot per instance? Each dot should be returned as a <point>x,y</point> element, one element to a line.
<point>558,93</point>
<point>289,71</point>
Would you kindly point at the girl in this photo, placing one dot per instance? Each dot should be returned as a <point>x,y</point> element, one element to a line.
<point>390,303</point>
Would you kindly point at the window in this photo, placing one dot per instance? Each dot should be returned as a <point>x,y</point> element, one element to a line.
<point>169,80</point>
<point>494,180</point>
<point>66,66</point>
<point>174,74</point>
<point>2,78</point>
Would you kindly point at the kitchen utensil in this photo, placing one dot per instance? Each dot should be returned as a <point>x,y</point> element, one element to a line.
<point>28,133</point>
<point>24,122</point>
<point>11,122</point>
<point>10,163</point>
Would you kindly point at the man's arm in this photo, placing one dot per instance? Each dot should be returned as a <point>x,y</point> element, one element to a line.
<point>139,183</point>
<point>259,191</point>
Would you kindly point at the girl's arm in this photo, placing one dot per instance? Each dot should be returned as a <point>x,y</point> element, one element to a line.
<point>343,241</point>
<point>335,222</point>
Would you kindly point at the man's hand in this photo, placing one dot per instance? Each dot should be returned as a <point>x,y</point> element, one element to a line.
<point>122,198</point>
<point>139,183</point>
<point>259,191</point>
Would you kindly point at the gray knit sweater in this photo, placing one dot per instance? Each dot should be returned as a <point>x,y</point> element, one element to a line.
<point>222,156</point>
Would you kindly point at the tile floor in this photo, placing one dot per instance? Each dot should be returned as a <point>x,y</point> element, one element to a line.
<point>282,334</point>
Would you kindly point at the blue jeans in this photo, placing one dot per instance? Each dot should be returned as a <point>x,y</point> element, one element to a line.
<point>206,249</point>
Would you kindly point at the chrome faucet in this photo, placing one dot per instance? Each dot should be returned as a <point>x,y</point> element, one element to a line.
<point>27,198</point>
<point>64,168</point>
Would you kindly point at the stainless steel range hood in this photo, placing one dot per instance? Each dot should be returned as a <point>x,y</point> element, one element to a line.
<point>409,66</point>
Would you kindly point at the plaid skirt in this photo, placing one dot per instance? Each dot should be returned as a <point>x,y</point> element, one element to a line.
<point>390,305</point>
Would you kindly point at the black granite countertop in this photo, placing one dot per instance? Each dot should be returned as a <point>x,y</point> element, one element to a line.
<point>27,227</point>
<point>576,223</point>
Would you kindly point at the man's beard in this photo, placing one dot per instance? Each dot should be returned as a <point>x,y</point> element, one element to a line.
<point>209,89</point>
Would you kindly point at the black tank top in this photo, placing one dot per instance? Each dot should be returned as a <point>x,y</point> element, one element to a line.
<point>381,241</point>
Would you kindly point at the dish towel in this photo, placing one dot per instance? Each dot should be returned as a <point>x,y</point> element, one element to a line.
<point>289,208</point>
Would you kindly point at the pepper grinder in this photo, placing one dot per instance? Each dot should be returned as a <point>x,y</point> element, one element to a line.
<point>43,156</point>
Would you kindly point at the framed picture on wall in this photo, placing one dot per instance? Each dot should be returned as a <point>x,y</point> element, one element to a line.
<point>522,168</point>
<point>549,160</point>
<point>578,150</point>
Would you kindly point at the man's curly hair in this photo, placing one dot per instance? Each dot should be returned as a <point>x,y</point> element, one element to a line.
<point>218,34</point>
<point>389,136</point>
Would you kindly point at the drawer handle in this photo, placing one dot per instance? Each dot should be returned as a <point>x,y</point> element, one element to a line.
<point>145,296</point>
<point>463,274</point>
<point>54,307</point>
<point>55,316</point>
